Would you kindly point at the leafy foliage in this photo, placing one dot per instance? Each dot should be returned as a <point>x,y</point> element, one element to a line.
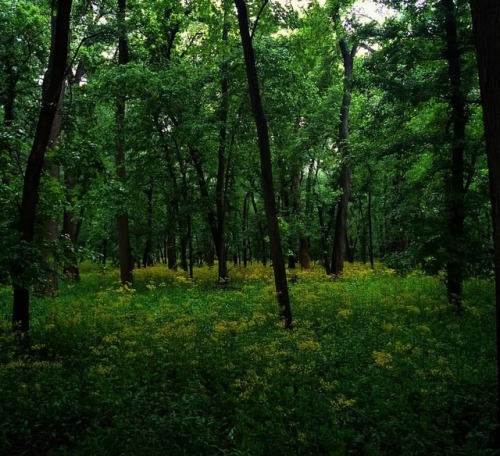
<point>374,364</point>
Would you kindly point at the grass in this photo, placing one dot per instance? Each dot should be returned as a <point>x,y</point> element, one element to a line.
<point>376,365</point>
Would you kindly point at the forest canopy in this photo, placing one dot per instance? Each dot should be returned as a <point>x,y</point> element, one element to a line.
<point>374,124</point>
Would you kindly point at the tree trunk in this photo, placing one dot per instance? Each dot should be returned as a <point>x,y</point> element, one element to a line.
<point>263,249</point>
<point>455,191</point>
<point>486,23</point>
<point>304,255</point>
<point>125,251</point>
<point>266,167</point>
<point>202,183</point>
<point>53,81</point>
<point>220,194</point>
<point>70,268</point>
<point>339,246</point>
<point>104,252</point>
<point>50,284</point>
<point>147,256</point>
<point>339,240</point>
<point>171,253</point>
<point>370,230</point>
<point>190,245</point>
<point>246,241</point>
<point>325,232</point>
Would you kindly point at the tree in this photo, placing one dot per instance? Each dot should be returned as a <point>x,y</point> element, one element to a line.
<point>340,239</point>
<point>486,23</point>
<point>280,279</point>
<point>455,191</point>
<point>126,261</point>
<point>52,85</point>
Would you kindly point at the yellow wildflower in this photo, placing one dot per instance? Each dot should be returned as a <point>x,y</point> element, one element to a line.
<point>382,358</point>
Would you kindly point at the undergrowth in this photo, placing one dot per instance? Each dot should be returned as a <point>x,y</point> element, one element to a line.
<point>375,364</point>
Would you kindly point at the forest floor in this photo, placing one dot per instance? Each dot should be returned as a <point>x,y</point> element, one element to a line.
<point>376,364</point>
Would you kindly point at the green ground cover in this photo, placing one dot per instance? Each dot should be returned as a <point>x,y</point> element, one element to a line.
<point>376,365</point>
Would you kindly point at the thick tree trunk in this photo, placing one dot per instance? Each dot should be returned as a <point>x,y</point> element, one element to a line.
<point>486,23</point>
<point>339,246</point>
<point>266,167</point>
<point>53,81</point>
<point>125,251</point>
<point>339,240</point>
<point>455,191</point>
<point>50,284</point>
<point>49,287</point>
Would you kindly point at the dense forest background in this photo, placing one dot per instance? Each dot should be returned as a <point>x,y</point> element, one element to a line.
<point>374,124</point>
<point>128,140</point>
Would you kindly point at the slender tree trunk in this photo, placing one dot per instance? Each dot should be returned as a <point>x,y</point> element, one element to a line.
<point>125,251</point>
<point>53,81</point>
<point>264,253</point>
<point>246,241</point>
<point>364,233</point>
<point>190,244</point>
<point>455,191</point>
<point>104,252</point>
<point>304,255</point>
<point>147,257</point>
<point>202,183</point>
<point>370,230</point>
<point>220,195</point>
<point>171,253</point>
<point>324,241</point>
<point>10,96</point>
<point>70,268</point>
<point>339,246</point>
<point>486,23</point>
<point>266,167</point>
<point>12,78</point>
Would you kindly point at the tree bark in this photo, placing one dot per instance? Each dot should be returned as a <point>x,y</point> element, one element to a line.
<point>325,230</point>
<point>455,191</point>
<point>220,194</point>
<point>202,183</point>
<point>304,256</point>
<point>50,284</point>
<point>370,230</point>
<point>53,81</point>
<point>266,167</point>
<point>147,256</point>
<point>339,245</point>
<point>125,251</point>
<point>264,253</point>
<point>246,240</point>
<point>70,269</point>
<point>486,24</point>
